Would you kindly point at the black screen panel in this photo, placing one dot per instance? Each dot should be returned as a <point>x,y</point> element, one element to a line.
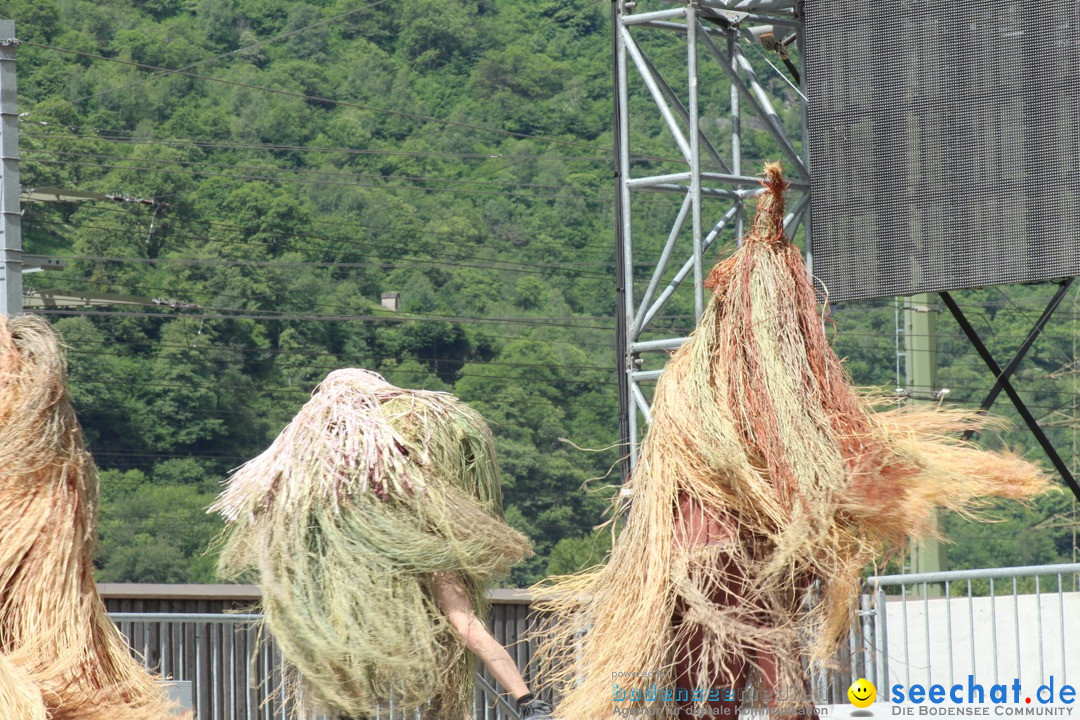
<point>944,143</point>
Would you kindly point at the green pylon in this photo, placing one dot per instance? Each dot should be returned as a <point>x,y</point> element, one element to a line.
<point>920,345</point>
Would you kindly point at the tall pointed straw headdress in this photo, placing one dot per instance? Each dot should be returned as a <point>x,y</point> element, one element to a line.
<point>756,423</point>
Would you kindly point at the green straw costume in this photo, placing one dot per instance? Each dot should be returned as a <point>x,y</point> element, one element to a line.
<point>343,520</point>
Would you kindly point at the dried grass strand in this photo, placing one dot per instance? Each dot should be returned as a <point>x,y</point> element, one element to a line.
<point>19,696</point>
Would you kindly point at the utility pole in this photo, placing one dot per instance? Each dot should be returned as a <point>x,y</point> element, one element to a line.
<point>920,340</point>
<point>11,259</point>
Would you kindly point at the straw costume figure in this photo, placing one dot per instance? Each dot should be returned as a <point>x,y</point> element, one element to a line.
<point>764,485</point>
<point>61,657</point>
<point>373,524</point>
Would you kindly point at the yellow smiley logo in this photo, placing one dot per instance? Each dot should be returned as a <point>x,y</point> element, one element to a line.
<point>862,693</point>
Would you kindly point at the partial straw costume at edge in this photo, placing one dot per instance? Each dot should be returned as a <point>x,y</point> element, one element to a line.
<point>61,657</point>
<point>764,485</point>
<point>342,521</point>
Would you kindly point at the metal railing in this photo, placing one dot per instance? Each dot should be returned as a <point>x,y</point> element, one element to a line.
<point>235,669</point>
<point>994,625</point>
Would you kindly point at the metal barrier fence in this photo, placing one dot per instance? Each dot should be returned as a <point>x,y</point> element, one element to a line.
<point>235,671</point>
<point>995,625</point>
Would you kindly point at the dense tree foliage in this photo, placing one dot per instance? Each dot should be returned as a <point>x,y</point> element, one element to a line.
<point>457,152</point>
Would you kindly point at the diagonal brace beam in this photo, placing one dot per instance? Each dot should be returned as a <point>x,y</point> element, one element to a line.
<point>1003,381</point>
<point>988,401</point>
<point>500,701</point>
<point>676,103</point>
<point>757,99</point>
<point>634,52</point>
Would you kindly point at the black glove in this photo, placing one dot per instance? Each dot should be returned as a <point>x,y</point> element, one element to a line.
<point>531,707</point>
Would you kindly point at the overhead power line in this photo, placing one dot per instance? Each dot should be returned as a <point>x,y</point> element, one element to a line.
<point>316,99</point>
<point>344,356</point>
<point>31,153</point>
<point>440,260</point>
<point>390,313</point>
<point>314,317</point>
<point>346,225</point>
<point>211,385</point>
<point>376,152</point>
<point>232,347</point>
<point>276,178</point>
<point>347,308</point>
<point>229,262</point>
<point>547,21</point>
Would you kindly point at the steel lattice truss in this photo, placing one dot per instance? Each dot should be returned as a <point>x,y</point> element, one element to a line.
<point>707,172</point>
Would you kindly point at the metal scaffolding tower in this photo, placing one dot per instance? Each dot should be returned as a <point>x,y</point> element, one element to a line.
<point>671,58</point>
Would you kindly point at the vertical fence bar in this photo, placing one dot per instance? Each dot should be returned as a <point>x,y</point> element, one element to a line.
<point>1039,625</point>
<point>853,653</point>
<point>948,628</point>
<point>1061,628</point>
<point>993,628</point>
<point>234,648</point>
<point>869,638</point>
<point>284,708</point>
<point>971,626</point>
<point>168,645</point>
<point>265,712</point>
<point>215,674</point>
<point>926,624</point>
<point>251,697</point>
<point>907,646</point>
<point>197,684</point>
<point>267,708</point>
<point>1016,621</point>
<point>883,633</point>
<point>182,655</point>
<point>165,650</point>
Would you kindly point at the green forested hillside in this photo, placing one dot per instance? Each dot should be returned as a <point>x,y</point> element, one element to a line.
<point>312,156</point>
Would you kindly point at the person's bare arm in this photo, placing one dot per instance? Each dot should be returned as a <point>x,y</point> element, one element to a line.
<point>454,602</point>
